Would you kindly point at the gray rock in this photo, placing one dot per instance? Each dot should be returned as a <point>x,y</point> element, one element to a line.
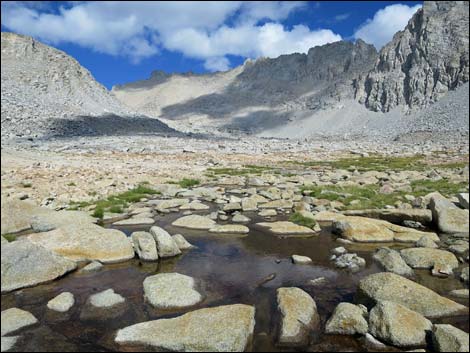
<point>339,251</point>
<point>194,222</point>
<point>391,261</point>
<point>135,221</point>
<point>171,291</point>
<point>92,267</point>
<point>460,293</point>
<point>145,246</point>
<point>447,338</point>
<point>429,258</point>
<point>350,261</point>
<point>463,199</point>
<point>166,245</point>
<point>61,303</point>
<point>426,242</point>
<point>14,319</point>
<point>220,329</point>
<point>302,260</point>
<point>106,299</point>
<point>386,286</point>
<point>347,319</point>
<point>9,342</point>
<point>25,264</point>
<point>298,316</point>
<point>448,217</point>
<point>464,274</point>
<point>239,218</point>
<point>395,324</point>
<point>182,243</point>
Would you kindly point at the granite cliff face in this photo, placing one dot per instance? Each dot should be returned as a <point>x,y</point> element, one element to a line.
<point>47,92</point>
<point>423,62</point>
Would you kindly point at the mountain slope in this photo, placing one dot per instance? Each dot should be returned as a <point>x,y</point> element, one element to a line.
<point>47,92</point>
<point>257,94</point>
<point>423,62</point>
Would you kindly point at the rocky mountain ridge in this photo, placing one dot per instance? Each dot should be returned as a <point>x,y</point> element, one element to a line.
<point>309,91</point>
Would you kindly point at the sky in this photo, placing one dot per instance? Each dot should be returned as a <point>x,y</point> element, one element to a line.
<point>124,41</point>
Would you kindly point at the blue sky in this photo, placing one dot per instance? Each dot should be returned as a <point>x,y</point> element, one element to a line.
<point>121,42</point>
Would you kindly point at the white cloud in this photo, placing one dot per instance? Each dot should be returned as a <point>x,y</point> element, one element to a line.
<point>138,29</point>
<point>386,22</point>
<point>217,64</point>
<point>342,17</point>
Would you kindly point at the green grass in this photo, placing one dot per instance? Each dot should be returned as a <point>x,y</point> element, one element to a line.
<point>116,203</point>
<point>370,197</point>
<point>377,163</point>
<point>116,209</point>
<point>27,185</point>
<point>445,187</point>
<point>297,218</point>
<point>185,182</point>
<point>244,170</point>
<point>71,184</point>
<point>9,237</point>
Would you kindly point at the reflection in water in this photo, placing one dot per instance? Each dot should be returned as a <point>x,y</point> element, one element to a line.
<point>228,269</point>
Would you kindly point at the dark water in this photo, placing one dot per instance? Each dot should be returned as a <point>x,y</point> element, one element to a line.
<point>229,270</point>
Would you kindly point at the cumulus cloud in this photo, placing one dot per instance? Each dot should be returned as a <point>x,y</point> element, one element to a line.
<point>386,22</point>
<point>203,30</point>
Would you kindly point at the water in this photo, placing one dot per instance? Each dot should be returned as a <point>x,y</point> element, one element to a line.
<point>229,270</point>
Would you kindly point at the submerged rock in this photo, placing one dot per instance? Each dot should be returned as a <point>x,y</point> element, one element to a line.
<point>347,319</point>
<point>26,264</point>
<point>230,228</point>
<point>14,319</point>
<point>395,324</point>
<point>182,243</point>
<point>61,303</point>
<point>135,221</point>
<point>92,267</point>
<point>350,261</point>
<point>171,291</point>
<point>221,329</point>
<point>391,287</point>
<point>298,316</point>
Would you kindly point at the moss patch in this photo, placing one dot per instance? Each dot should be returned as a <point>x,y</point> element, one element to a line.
<point>9,237</point>
<point>297,218</point>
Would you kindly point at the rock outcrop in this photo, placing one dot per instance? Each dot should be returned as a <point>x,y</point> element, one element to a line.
<point>423,62</point>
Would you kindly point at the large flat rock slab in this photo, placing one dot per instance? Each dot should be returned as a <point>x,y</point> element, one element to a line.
<point>84,241</point>
<point>194,222</point>
<point>26,264</point>
<point>17,216</point>
<point>286,228</point>
<point>171,291</point>
<point>220,329</point>
<point>361,229</point>
<point>391,287</point>
<point>395,215</point>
